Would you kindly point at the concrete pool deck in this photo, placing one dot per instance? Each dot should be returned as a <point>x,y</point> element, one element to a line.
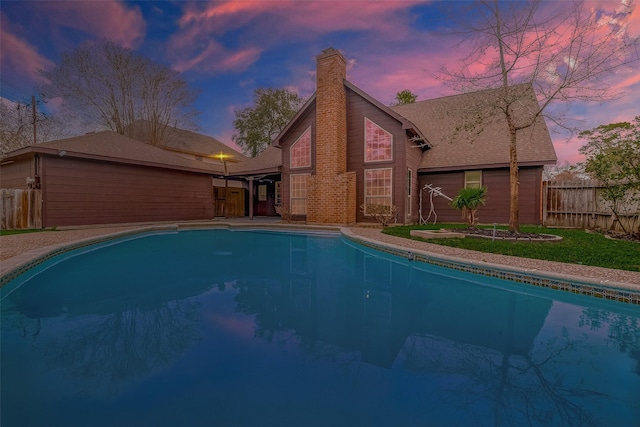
<point>19,252</point>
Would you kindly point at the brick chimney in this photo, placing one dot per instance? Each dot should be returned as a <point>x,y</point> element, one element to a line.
<point>331,195</point>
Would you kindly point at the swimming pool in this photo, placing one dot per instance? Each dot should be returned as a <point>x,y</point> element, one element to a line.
<point>234,328</point>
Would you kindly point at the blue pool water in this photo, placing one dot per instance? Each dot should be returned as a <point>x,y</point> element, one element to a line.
<point>250,328</point>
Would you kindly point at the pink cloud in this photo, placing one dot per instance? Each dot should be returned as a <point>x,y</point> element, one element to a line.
<point>267,23</point>
<point>113,20</point>
<point>312,16</point>
<point>241,59</point>
<point>567,151</point>
<point>212,49</point>
<point>20,60</point>
<point>212,57</point>
<point>213,9</point>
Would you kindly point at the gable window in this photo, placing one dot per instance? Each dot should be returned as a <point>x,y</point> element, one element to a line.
<point>409,187</point>
<point>301,151</point>
<point>473,179</point>
<point>298,194</point>
<point>378,143</point>
<point>377,187</point>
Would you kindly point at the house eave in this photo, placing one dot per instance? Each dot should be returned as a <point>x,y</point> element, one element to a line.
<point>85,156</point>
<point>301,111</point>
<point>487,166</point>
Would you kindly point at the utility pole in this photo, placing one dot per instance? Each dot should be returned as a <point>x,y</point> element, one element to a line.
<point>33,112</point>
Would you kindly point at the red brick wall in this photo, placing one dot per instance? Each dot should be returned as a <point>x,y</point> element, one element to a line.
<point>331,192</point>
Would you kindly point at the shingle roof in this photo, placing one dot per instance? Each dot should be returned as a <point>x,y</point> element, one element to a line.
<point>188,142</point>
<point>269,161</point>
<point>454,146</point>
<point>110,146</point>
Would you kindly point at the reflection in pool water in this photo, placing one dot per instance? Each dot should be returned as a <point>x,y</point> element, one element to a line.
<point>302,329</point>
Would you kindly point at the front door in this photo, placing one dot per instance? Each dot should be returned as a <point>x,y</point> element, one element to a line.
<point>263,198</point>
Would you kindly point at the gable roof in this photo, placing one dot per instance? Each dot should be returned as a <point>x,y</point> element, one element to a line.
<point>185,141</point>
<point>406,123</point>
<point>113,147</point>
<point>454,146</point>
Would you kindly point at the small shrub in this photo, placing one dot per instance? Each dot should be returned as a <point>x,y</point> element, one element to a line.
<point>384,214</point>
<point>468,200</point>
<point>283,212</point>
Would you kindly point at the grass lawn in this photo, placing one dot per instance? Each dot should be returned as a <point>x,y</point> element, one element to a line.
<point>576,247</point>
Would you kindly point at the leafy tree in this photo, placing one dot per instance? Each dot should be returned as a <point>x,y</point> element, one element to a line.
<point>468,200</point>
<point>257,126</point>
<point>114,87</point>
<point>405,97</point>
<point>564,54</point>
<point>613,156</point>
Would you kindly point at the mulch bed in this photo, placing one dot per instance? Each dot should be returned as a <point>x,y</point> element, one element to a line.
<point>631,237</point>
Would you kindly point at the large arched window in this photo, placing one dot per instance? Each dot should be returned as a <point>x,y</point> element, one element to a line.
<point>378,143</point>
<point>301,151</point>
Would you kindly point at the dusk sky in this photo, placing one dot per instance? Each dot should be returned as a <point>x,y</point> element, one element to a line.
<point>227,49</point>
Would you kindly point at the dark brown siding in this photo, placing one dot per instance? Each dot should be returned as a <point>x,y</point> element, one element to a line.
<point>14,175</point>
<point>292,136</point>
<point>78,192</point>
<point>496,210</point>
<point>357,109</point>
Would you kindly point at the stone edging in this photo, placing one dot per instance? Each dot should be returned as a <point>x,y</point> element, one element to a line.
<point>35,257</point>
<point>447,234</point>
<point>578,285</point>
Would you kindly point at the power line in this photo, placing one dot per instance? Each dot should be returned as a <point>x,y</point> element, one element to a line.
<point>15,92</point>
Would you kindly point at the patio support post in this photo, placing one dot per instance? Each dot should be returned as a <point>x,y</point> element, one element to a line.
<point>250,179</point>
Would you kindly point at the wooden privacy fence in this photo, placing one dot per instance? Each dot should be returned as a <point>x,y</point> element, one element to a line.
<point>580,204</point>
<point>20,209</point>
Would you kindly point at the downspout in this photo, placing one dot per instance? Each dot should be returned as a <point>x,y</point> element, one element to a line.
<point>39,183</point>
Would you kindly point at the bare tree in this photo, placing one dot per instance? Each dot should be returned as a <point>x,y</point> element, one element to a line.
<point>565,54</point>
<point>116,88</point>
<point>17,127</point>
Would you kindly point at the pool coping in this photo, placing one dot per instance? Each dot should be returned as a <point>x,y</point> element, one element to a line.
<point>610,290</point>
<point>19,264</point>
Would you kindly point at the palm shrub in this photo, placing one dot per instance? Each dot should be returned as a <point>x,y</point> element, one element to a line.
<point>468,200</point>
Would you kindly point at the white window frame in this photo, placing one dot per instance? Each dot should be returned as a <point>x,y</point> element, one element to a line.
<point>472,183</point>
<point>308,165</point>
<point>390,159</point>
<point>377,196</point>
<point>278,193</point>
<point>262,192</point>
<point>292,198</point>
